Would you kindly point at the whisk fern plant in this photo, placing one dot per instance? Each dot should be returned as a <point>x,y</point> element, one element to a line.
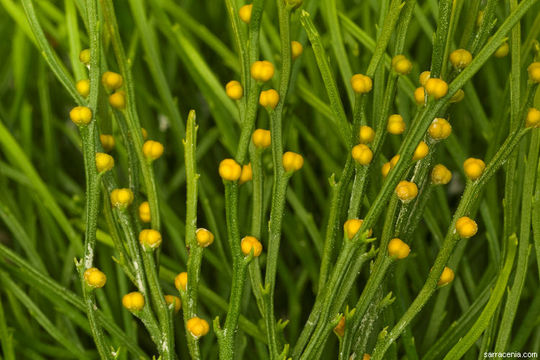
<point>356,180</point>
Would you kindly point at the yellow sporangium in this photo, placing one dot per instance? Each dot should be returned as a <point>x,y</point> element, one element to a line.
<point>292,161</point>
<point>533,118</point>
<point>107,141</point>
<point>234,90</point>
<point>95,278</point>
<point>406,190</point>
<point>440,175</point>
<point>121,198</point>
<point>261,138</point>
<point>420,96</point>
<point>437,88</point>
<point>460,58</point>
<point>229,170</point>
<point>398,249</point>
<point>534,72</point>
<point>83,87</point>
<point>424,77</point>
<point>401,65</point>
<point>262,70</point>
<point>340,327</point>
<point>180,281</point>
<point>171,299</point>
<point>466,227</point>
<point>144,212</point>
<point>473,168</point>
<point>361,84</point>
<point>352,226</point>
<point>502,50</point>
<point>111,80</point>
<point>245,13</point>
<point>197,327</point>
<point>150,239</point>
<point>204,237</point>
<point>396,124</point>
<point>134,301</point>
<point>152,150</point>
<point>362,154</point>
<point>104,162</point>
<point>269,98</point>
<point>80,115</point>
<point>84,56</point>
<point>447,277</point>
<point>458,96</point>
<point>389,165</point>
<point>421,151</point>
<point>366,134</point>
<point>296,49</point>
<point>250,243</point>
<point>366,357</point>
<point>144,133</point>
<point>439,129</point>
<point>246,174</point>
<point>118,100</point>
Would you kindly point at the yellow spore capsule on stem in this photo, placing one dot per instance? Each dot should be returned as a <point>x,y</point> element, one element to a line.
<point>352,226</point>
<point>144,133</point>
<point>261,138</point>
<point>80,115</point>
<point>292,161</point>
<point>246,175</point>
<point>366,357</point>
<point>385,169</point>
<point>440,175</point>
<point>439,129</point>
<point>83,87</point>
<point>134,301</point>
<point>262,70</point>
<point>84,56</point>
<point>204,237</point>
<point>420,96</point>
<point>437,88</point>
<point>118,100</point>
<point>197,327</point>
<point>534,72</point>
<point>361,84</point>
<point>362,154</point>
<point>95,278</point>
<point>245,13</point>
<point>406,190</point>
<point>458,96</point>
<point>250,243</point>
<point>424,77</point>
<point>104,162</point>
<point>466,227</point>
<point>107,141</point>
<point>111,80</point>
<point>340,327</point>
<point>234,90</point>
<point>401,65</point>
<point>269,98</point>
<point>533,118</point>
<point>144,212</point>
<point>396,124</point>
<point>398,249</point>
<point>180,281</point>
<point>171,299</point>
<point>152,150</point>
<point>473,168</point>
<point>366,134</point>
<point>502,50</point>
<point>150,239</point>
<point>296,49</point>
<point>421,151</point>
<point>229,170</point>
<point>121,198</point>
<point>460,58</point>
<point>447,277</point>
